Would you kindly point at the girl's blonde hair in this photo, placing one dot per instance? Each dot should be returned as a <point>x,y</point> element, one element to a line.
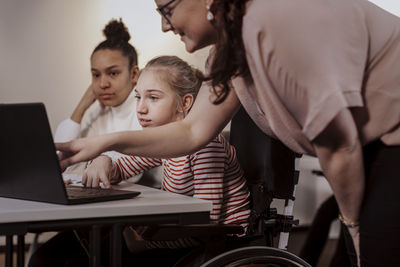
<point>178,74</point>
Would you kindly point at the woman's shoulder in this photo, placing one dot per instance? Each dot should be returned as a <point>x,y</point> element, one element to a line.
<point>265,9</point>
<point>266,17</point>
<point>283,13</point>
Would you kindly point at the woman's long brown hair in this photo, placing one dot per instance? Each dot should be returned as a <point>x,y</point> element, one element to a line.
<point>230,56</point>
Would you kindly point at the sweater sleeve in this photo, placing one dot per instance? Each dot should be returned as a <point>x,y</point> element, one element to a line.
<point>67,130</point>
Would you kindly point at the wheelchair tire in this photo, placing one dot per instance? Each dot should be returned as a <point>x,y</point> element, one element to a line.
<point>257,255</point>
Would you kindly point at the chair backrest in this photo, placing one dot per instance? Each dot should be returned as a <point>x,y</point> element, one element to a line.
<point>265,160</point>
<point>269,166</point>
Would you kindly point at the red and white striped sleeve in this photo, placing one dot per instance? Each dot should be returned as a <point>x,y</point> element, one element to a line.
<point>133,165</point>
<point>208,165</point>
<point>237,208</point>
<point>218,177</point>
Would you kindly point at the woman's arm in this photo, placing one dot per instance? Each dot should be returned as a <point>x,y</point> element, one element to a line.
<point>184,137</point>
<point>339,151</point>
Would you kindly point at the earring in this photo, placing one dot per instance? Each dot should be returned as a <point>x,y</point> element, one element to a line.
<point>210,15</point>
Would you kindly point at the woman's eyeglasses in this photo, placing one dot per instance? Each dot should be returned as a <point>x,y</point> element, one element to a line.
<point>163,13</point>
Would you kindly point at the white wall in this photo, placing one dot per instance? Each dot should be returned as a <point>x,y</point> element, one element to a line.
<point>45,46</point>
<point>392,6</point>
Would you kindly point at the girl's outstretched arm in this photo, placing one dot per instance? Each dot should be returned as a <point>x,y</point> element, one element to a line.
<point>204,121</point>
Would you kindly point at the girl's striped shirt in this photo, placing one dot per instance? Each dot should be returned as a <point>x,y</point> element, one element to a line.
<point>212,173</point>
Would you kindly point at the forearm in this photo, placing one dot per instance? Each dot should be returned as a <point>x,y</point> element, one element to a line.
<point>202,124</point>
<point>339,152</point>
<point>86,101</point>
<point>344,171</point>
<point>78,112</point>
<point>171,140</point>
<point>159,142</point>
<point>183,137</point>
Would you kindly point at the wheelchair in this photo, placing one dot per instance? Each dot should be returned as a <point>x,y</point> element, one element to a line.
<point>272,172</point>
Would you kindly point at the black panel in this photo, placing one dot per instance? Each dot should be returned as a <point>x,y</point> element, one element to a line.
<point>29,167</point>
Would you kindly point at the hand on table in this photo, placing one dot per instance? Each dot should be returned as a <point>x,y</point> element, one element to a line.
<point>101,170</point>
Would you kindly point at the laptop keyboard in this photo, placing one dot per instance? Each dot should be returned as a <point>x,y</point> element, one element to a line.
<point>75,192</point>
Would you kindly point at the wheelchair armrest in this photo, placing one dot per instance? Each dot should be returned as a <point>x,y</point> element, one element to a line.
<point>202,231</point>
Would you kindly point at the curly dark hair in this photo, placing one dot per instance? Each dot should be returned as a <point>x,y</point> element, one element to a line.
<point>230,56</point>
<point>117,38</point>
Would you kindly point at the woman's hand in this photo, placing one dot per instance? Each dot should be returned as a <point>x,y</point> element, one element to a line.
<point>355,236</point>
<point>103,170</point>
<point>77,150</point>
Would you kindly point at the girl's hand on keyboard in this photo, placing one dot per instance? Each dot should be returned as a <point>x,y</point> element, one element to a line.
<point>100,170</point>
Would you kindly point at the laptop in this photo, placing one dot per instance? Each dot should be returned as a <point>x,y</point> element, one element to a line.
<point>29,167</point>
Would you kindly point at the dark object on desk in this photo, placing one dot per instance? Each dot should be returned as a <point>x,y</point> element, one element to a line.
<point>29,167</point>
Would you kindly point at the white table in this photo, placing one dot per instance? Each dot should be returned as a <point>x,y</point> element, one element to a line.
<point>152,206</point>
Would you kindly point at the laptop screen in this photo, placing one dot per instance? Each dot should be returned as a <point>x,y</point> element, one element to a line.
<point>29,164</point>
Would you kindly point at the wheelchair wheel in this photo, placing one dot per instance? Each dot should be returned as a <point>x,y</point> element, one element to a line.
<point>257,257</point>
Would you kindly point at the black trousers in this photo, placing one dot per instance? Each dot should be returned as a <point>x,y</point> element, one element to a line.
<point>380,211</point>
